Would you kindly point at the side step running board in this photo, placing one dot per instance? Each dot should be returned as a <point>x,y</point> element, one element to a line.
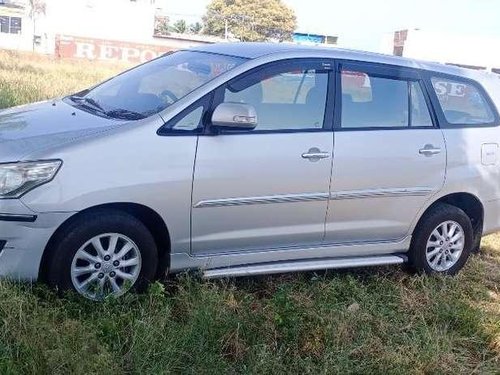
<point>303,265</point>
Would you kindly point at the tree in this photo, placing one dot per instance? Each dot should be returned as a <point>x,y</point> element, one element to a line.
<point>162,25</point>
<point>250,20</point>
<point>180,27</point>
<point>196,28</point>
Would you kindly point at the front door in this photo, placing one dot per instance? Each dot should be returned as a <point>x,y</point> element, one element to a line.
<point>390,158</point>
<point>267,188</point>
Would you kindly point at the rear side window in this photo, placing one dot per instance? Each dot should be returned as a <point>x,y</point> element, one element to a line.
<point>382,102</point>
<point>420,115</point>
<point>462,102</point>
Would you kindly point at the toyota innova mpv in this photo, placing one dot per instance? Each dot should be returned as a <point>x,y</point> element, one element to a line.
<point>246,159</point>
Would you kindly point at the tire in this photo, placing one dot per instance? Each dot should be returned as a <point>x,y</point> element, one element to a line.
<point>443,252</point>
<point>75,251</point>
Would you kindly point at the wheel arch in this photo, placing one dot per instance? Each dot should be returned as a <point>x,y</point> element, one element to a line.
<point>467,202</point>
<point>149,217</point>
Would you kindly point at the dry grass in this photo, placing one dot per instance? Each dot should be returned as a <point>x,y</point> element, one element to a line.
<point>377,321</point>
<point>26,78</point>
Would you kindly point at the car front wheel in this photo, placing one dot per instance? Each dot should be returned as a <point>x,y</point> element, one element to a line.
<point>103,254</point>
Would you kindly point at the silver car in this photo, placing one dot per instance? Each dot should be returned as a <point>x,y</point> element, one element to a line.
<point>246,159</point>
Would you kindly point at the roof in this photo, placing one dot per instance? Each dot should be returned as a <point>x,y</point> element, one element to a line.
<point>191,37</point>
<point>251,50</point>
<point>257,50</point>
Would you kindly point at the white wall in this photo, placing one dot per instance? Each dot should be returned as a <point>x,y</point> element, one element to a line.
<point>122,20</point>
<point>449,48</point>
<point>19,42</point>
<point>24,40</point>
<point>104,19</point>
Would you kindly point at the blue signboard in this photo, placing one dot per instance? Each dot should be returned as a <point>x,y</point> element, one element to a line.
<point>308,38</point>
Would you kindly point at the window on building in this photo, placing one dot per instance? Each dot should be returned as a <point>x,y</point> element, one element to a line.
<point>15,25</point>
<point>4,24</point>
<point>462,103</point>
<point>10,25</point>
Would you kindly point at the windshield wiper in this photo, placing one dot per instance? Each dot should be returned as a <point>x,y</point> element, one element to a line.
<point>88,102</point>
<point>119,113</point>
<point>125,114</point>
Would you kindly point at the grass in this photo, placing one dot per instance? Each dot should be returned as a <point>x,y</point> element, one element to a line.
<point>377,321</point>
<point>28,78</point>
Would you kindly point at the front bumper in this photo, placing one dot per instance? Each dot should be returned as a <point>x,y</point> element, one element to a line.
<point>25,235</point>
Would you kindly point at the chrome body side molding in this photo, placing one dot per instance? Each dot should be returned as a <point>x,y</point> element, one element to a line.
<point>303,265</point>
<point>287,198</point>
<point>381,193</point>
<point>290,198</point>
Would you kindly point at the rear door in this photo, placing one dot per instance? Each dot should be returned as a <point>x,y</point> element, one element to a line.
<point>390,157</point>
<point>267,188</point>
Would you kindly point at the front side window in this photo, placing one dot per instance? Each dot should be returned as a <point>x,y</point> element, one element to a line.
<point>462,103</point>
<point>152,87</point>
<point>370,101</point>
<point>190,121</point>
<point>284,97</point>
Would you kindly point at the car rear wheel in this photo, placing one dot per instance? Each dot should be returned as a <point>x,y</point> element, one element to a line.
<point>103,254</point>
<point>442,241</point>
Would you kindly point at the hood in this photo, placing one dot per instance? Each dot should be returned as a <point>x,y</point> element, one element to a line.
<point>39,126</point>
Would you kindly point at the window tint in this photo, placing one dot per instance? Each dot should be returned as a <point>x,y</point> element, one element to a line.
<point>373,101</point>
<point>378,102</point>
<point>285,99</point>
<point>191,121</point>
<point>420,115</point>
<point>462,103</point>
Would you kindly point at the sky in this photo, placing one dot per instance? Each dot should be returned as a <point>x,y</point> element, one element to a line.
<point>361,24</point>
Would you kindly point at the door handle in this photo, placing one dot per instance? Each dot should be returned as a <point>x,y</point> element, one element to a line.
<point>315,154</point>
<point>429,150</point>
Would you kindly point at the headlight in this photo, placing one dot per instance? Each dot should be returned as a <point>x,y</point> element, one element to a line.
<point>17,179</point>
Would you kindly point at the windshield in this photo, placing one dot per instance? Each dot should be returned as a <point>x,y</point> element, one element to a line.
<point>152,87</point>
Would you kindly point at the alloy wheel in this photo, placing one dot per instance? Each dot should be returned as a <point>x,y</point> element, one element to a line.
<point>106,265</point>
<point>445,246</point>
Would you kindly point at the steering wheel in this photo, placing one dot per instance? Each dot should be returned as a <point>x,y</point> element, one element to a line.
<point>168,97</point>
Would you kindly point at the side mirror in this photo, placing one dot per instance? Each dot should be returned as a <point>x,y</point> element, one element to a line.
<point>234,116</point>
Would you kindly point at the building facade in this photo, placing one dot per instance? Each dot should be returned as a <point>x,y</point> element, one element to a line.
<point>114,30</point>
<point>16,26</point>
<point>466,51</point>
